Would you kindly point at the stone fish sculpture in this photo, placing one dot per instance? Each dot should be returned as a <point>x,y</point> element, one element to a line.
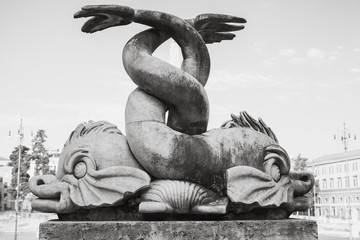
<point>96,168</point>
<point>174,165</point>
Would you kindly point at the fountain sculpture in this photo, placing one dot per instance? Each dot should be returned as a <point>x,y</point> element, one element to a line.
<point>171,166</point>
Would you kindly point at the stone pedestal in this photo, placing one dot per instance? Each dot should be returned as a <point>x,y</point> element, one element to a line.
<point>179,230</point>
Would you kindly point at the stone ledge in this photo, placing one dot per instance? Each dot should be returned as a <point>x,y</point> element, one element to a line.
<point>179,230</point>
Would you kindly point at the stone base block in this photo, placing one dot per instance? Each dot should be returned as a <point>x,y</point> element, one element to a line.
<point>178,230</point>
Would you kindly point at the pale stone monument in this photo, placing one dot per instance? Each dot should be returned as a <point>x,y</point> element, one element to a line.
<point>170,169</point>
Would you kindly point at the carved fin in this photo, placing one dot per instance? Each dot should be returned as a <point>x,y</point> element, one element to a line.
<point>246,121</point>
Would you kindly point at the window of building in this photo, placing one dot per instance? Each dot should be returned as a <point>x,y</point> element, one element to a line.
<point>331,183</point>
<point>347,183</point>
<point>323,170</point>
<point>338,168</point>
<point>333,200</point>
<point>355,181</point>
<point>346,167</point>
<point>339,182</point>
<point>324,184</point>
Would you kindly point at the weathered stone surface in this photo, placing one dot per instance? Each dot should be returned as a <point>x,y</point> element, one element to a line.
<point>236,172</point>
<point>285,229</point>
<point>96,168</point>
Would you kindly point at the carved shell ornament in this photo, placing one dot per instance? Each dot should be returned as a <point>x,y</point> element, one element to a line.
<point>169,196</point>
<point>193,170</point>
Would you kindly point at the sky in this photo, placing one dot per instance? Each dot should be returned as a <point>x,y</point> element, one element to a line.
<point>296,65</point>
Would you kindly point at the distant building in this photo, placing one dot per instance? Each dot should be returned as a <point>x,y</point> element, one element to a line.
<point>6,202</point>
<point>4,161</point>
<point>5,180</point>
<point>3,195</point>
<point>339,187</point>
<point>5,170</point>
<point>54,156</point>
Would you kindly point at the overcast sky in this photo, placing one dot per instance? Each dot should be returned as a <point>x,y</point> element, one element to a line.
<point>296,65</point>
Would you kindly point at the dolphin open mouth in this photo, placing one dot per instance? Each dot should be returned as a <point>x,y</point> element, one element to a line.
<point>276,187</point>
<point>54,196</point>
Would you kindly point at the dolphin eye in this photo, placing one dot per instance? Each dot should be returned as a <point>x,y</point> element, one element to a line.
<point>80,169</point>
<point>275,172</point>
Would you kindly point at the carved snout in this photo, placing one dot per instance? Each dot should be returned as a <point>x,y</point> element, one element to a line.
<point>54,196</point>
<point>302,182</point>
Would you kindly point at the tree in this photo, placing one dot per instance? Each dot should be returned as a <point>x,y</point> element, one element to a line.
<point>39,153</point>
<point>24,176</point>
<point>300,163</point>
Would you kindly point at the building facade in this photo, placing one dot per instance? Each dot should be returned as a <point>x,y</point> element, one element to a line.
<point>54,156</point>
<point>339,187</point>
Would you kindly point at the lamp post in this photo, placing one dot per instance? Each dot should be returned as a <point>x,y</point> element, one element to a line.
<point>314,189</point>
<point>345,137</point>
<point>21,137</point>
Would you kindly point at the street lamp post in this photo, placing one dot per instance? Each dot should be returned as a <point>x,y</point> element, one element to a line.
<point>21,136</point>
<point>18,183</point>
<point>345,137</point>
<point>314,189</point>
<point>347,182</point>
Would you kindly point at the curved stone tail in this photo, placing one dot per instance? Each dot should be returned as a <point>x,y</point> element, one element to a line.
<point>182,90</point>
